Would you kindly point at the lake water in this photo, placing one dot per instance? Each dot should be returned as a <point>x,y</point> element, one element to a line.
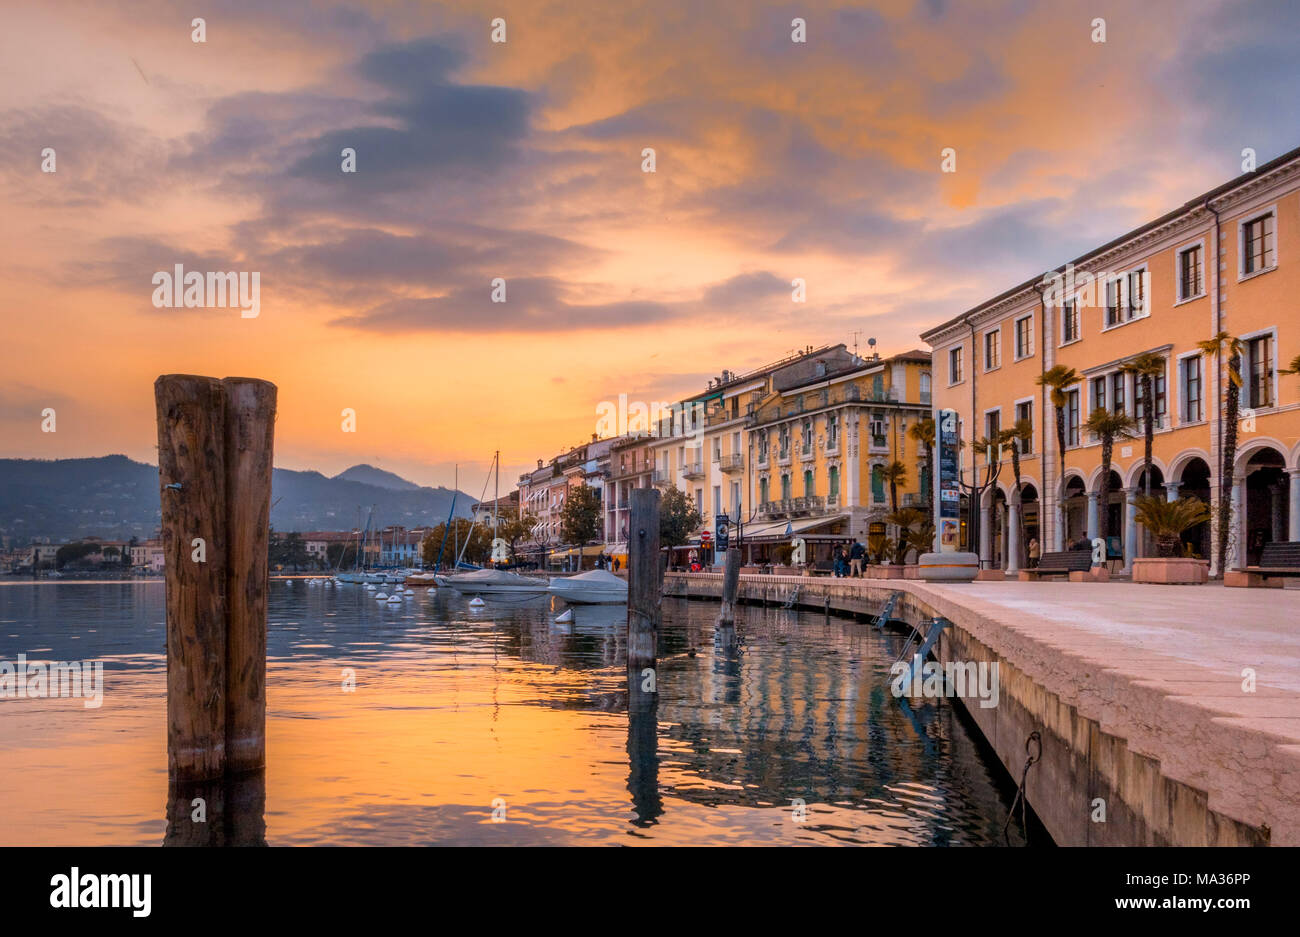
<point>457,714</point>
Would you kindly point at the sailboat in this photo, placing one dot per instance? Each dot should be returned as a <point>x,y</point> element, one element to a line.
<point>495,581</point>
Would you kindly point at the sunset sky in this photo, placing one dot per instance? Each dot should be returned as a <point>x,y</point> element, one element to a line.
<point>522,160</point>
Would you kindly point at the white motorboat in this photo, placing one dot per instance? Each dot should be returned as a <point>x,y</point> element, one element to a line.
<point>421,579</point>
<point>594,587</point>
<point>495,582</point>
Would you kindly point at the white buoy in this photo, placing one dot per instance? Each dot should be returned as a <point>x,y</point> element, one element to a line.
<point>565,617</point>
<point>370,587</point>
<point>476,602</point>
<point>410,592</point>
<point>381,596</point>
<point>394,599</point>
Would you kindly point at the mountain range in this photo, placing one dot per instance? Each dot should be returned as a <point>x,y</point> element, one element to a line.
<point>116,498</point>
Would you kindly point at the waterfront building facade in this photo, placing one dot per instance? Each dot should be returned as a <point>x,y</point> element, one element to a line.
<point>1226,261</point>
<point>798,448</point>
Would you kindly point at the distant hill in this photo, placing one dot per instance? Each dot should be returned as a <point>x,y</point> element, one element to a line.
<point>116,498</point>
<point>369,475</point>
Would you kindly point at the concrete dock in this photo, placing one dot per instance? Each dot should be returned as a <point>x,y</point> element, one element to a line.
<point>1140,692</point>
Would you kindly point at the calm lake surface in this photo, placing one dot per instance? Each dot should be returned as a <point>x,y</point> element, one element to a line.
<point>455,710</point>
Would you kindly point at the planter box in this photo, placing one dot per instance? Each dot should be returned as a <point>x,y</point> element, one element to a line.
<point>1096,574</point>
<point>991,575</point>
<point>912,571</point>
<point>1171,571</point>
<point>888,572</point>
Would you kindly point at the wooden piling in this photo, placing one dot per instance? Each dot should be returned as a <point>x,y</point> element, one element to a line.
<point>644,579</point>
<point>250,436</point>
<point>730,587</point>
<point>214,466</point>
<point>192,487</point>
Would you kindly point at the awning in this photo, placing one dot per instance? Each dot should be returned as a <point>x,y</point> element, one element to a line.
<point>784,531</point>
<point>595,549</point>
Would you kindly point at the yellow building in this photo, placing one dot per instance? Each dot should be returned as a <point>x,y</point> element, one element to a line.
<point>798,448</point>
<point>1228,260</point>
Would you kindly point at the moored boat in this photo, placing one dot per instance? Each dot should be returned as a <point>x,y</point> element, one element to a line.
<point>594,587</point>
<point>495,581</point>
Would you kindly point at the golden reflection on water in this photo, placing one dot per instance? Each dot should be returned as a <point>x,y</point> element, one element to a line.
<point>454,711</point>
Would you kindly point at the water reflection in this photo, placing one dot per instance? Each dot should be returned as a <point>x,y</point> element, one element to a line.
<point>454,709</point>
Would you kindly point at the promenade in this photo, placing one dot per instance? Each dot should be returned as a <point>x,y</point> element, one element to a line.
<point>1141,692</point>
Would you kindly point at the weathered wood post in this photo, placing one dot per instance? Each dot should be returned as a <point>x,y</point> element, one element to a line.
<point>214,467</point>
<point>730,586</point>
<point>192,486</point>
<point>250,435</point>
<point>644,579</point>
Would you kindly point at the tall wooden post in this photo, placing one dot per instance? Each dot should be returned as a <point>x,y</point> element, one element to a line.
<point>730,586</point>
<point>644,580</point>
<point>214,467</point>
<point>250,435</point>
<point>192,480</point>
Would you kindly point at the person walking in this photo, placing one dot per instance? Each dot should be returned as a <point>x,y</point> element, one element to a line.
<point>855,558</point>
<point>1034,552</point>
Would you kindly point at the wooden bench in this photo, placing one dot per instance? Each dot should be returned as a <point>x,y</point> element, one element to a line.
<point>1279,561</point>
<point>1071,563</point>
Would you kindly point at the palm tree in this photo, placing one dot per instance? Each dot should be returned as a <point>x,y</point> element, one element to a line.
<point>1145,368</point>
<point>905,519</point>
<point>1058,378</point>
<point>1107,426</point>
<point>1294,367</point>
<point>1011,440</point>
<point>895,473</point>
<point>922,433</point>
<point>1221,345</point>
<point>1167,520</point>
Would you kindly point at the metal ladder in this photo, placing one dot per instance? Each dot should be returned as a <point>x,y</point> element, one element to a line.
<point>794,597</point>
<point>936,628</point>
<point>887,611</point>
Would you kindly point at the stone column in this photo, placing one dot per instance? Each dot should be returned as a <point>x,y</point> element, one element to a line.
<point>1130,528</point>
<point>1013,535</point>
<point>1092,514</point>
<point>1171,491</point>
<point>1058,534</point>
<point>1276,516</point>
<point>1237,541</point>
<point>1293,520</point>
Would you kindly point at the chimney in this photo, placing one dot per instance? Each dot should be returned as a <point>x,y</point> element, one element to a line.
<point>593,437</point>
<point>539,463</point>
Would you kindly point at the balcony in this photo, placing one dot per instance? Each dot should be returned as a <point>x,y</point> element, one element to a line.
<point>762,458</point>
<point>783,457</point>
<point>734,462</point>
<point>693,470</point>
<point>792,507</point>
<point>806,452</point>
<point>661,478</point>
